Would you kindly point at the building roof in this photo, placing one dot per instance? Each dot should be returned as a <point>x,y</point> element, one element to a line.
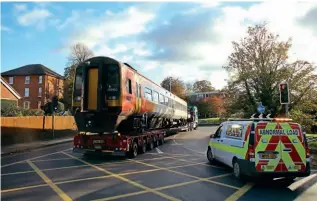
<point>11,89</point>
<point>32,69</point>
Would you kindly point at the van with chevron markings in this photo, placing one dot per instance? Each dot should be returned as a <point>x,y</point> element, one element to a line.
<point>269,147</point>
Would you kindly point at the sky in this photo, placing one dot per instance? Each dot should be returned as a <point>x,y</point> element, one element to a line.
<point>190,40</point>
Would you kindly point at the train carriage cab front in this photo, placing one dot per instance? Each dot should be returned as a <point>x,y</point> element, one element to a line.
<point>98,89</point>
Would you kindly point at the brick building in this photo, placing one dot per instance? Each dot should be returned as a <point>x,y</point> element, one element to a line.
<point>36,84</point>
<point>8,95</point>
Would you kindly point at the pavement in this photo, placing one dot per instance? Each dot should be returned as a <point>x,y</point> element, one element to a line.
<point>177,170</point>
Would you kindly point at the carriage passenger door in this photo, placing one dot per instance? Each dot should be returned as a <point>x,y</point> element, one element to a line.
<point>137,97</point>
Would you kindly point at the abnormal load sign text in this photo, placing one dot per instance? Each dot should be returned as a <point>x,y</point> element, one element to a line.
<point>278,132</point>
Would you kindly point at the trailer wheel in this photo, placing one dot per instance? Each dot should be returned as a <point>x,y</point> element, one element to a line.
<point>156,142</point>
<point>144,146</point>
<point>151,145</point>
<point>134,151</point>
<point>162,141</point>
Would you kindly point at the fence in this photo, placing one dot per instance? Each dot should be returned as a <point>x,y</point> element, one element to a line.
<point>32,128</point>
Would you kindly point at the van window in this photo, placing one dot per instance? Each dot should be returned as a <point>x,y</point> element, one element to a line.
<point>234,131</point>
<point>218,132</point>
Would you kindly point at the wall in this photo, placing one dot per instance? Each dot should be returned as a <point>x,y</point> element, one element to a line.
<point>26,129</point>
<point>6,93</point>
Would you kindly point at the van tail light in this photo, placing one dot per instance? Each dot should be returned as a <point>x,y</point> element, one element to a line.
<point>251,154</point>
<point>307,152</point>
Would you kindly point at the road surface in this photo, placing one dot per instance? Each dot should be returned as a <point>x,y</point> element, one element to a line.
<point>177,170</point>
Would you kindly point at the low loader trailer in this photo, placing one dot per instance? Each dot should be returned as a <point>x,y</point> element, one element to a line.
<point>116,144</point>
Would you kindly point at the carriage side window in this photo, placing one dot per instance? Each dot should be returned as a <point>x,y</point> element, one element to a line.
<point>148,93</point>
<point>155,97</point>
<point>162,101</point>
<point>129,86</point>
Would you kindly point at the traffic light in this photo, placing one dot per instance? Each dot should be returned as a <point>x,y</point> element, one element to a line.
<point>284,93</point>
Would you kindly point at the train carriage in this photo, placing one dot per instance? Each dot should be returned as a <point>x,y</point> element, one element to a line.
<point>112,96</point>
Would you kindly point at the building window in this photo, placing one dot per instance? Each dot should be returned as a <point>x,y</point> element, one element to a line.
<point>27,79</point>
<point>26,92</point>
<point>39,104</point>
<point>10,80</point>
<point>40,79</point>
<point>26,105</point>
<point>40,91</point>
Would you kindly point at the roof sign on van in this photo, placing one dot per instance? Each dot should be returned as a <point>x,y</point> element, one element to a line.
<point>278,132</point>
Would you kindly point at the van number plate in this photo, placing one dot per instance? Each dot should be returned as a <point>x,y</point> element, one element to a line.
<point>268,156</point>
<point>97,146</point>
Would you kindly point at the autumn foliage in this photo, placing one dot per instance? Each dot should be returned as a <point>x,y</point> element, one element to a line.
<point>211,106</point>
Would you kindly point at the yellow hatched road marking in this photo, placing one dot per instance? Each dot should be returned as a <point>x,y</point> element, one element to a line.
<point>188,175</point>
<point>84,179</point>
<point>23,188</point>
<point>107,164</point>
<point>13,173</point>
<point>23,161</point>
<point>126,180</point>
<point>59,191</point>
<point>159,188</point>
<point>53,159</point>
<point>239,193</point>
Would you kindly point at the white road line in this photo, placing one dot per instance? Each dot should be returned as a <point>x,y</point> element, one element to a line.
<point>158,150</point>
<point>299,183</point>
<point>201,153</point>
<point>174,139</point>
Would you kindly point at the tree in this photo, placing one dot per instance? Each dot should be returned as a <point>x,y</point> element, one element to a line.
<point>176,84</point>
<point>211,106</point>
<point>258,64</point>
<point>203,86</point>
<point>79,53</point>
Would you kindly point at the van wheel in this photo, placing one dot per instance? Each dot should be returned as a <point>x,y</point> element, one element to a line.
<point>237,170</point>
<point>210,156</point>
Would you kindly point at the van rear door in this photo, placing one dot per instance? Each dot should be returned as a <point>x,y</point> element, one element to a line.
<point>267,147</point>
<point>293,148</point>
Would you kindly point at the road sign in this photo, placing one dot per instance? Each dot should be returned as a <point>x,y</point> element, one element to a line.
<point>261,109</point>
